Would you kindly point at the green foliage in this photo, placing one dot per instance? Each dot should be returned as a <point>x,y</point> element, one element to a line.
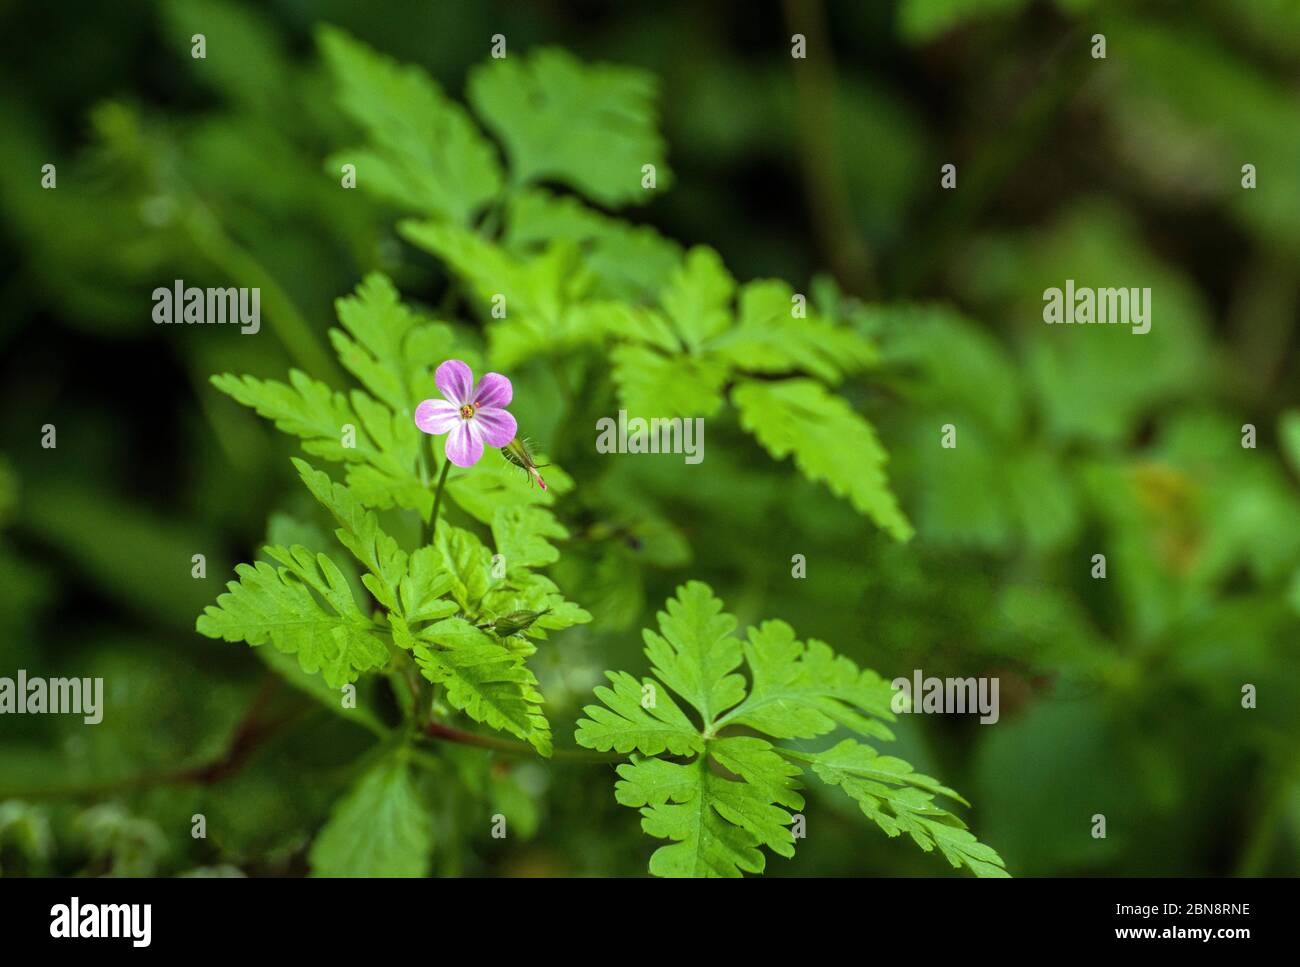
<point>627,261</point>
<point>277,606</point>
<point>447,604</point>
<point>796,691</point>
<point>26,842</point>
<point>829,442</point>
<point>679,361</point>
<point>591,127</point>
<point>425,154</point>
<point>380,828</point>
<point>555,283</point>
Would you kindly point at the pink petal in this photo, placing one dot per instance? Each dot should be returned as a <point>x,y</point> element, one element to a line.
<point>436,416</point>
<point>493,390</point>
<point>456,381</point>
<point>496,426</point>
<point>464,445</point>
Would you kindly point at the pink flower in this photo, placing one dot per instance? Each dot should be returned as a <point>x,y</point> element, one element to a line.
<point>470,415</point>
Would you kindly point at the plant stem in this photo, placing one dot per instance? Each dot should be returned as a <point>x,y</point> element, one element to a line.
<point>251,732</point>
<point>437,500</point>
<point>446,733</point>
<point>426,456</point>
<point>821,157</point>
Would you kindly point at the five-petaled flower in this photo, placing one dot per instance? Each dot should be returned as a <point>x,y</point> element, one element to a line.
<point>470,415</point>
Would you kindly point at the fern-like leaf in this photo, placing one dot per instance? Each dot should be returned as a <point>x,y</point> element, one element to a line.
<point>718,824</point>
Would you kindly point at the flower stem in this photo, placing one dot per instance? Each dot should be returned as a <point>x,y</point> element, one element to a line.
<point>437,500</point>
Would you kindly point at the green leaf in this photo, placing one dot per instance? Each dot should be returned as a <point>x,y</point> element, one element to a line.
<point>425,152</point>
<point>495,483</point>
<point>695,654</point>
<point>359,533</point>
<point>539,294</point>
<point>800,692</point>
<point>390,349</point>
<point>899,800</point>
<point>637,717</point>
<point>284,529</point>
<point>305,408</point>
<point>631,262</point>
<point>718,824</point>
<point>411,588</point>
<point>768,338</point>
<point>521,536</point>
<point>651,384</point>
<point>484,679</point>
<point>830,442</point>
<point>698,297</point>
<point>384,458</point>
<point>469,563</point>
<point>591,127</point>
<point>423,586</point>
<point>380,828</point>
<point>277,605</point>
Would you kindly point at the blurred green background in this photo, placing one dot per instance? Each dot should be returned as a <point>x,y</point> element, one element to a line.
<point>1120,697</point>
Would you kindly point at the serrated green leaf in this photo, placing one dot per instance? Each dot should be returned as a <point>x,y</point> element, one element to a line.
<point>651,384</point>
<point>423,586</point>
<point>276,605</point>
<point>539,294</point>
<point>625,723</point>
<point>381,827</point>
<point>495,483</point>
<point>359,533</point>
<point>470,565</point>
<point>802,692</point>
<point>390,349</point>
<point>521,534</point>
<point>768,338</point>
<point>626,261</point>
<point>899,800</point>
<point>589,126</point>
<point>484,679</point>
<point>533,592</point>
<point>717,823</point>
<point>695,653</point>
<point>829,441</point>
<point>698,297</point>
<point>382,465</point>
<point>425,152</point>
